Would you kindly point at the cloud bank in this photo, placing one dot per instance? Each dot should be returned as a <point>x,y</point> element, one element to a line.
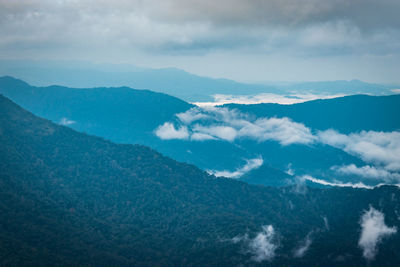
<point>369,172</point>
<point>250,165</point>
<point>220,99</point>
<point>201,124</point>
<point>373,231</point>
<point>380,148</point>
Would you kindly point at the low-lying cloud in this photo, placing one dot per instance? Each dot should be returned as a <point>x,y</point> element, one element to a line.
<point>66,122</point>
<point>303,247</point>
<point>262,247</point>
<point>379,148</point>
<point>201,124</point>
<point>250,165</point>
<point>220,99</point>
<point>369,172</point>
<point>373,230</point>
<point>336,183</point>
<point>168,131</point>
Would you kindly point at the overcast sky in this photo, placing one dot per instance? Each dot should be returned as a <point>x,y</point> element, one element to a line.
<point>245,40</point>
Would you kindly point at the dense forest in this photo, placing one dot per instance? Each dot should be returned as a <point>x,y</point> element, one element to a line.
<point>68,198</point>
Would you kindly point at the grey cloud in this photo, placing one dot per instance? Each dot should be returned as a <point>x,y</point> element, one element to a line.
<point>373,230</point>
<point>303,247</point>
<point>282,12</point>
<point>177,26</point>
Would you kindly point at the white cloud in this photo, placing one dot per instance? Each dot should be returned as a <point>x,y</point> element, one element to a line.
<point>66,122</point>
<point>250,165</point>
<point>380,148</point>
<point>303,247</point>
<point>190,116</point>
<point>337,184</point>
<point>367,171</point>
<point>373,230</point>
<point>262,246</point>
<point>283,130</point>
<point>220,132</point>
<point>291,98</point>
<point>167,131</point>
<point>201,137</point>
<point>341,184</point>
<point>229,125</point>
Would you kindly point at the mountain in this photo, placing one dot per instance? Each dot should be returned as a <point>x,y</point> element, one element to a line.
<point>123,115</point>
<point>130,116</point>
<point>345,114</point>
<point>351,87</point>
<point>109,112</point>
<point>171,81</point>
<point>67,198</point>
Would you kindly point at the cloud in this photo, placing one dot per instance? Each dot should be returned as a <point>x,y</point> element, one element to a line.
<point>336,184</point>
<point>326,222</point>
<point>303,247</point>
<point>369,172</point>
<point>201,137</point>
<point>167,131</point>
<point>236,38</point>
<point>250,165</point>
<point>262,247</point>
<point>66,122</point>
<point>219,132</point>
<point>220,99</point>
<point>230,125</point>
<point>289,13</point>
<point>380,148</point>
<point>373,230</point>
<point>341,184</point>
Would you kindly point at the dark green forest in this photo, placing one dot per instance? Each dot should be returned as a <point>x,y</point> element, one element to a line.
<point>67,198</point>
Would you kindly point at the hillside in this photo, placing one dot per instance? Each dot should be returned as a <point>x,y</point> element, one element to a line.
<point>345,114</point>
<point>129,116</point>
<point>72,199</point>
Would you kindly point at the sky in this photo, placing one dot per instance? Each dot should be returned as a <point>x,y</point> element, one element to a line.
<point>243,40</point>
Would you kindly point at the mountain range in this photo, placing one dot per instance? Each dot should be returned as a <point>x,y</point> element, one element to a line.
<point>172,81</point>
<point>130,116</point>
<point>68,198</point>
